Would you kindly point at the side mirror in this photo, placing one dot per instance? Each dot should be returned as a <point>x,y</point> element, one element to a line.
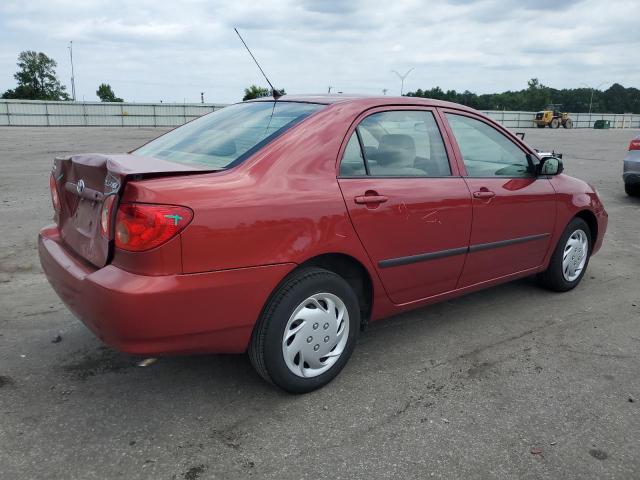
<point>550,166</point>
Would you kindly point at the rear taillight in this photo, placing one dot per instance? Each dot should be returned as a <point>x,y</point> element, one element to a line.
<point>143,226</point>
<point>106,214</point>
<point>55,197</point>
<point>635,144</point>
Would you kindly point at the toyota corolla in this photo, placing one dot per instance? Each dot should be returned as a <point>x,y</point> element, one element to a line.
<point>281,228</point>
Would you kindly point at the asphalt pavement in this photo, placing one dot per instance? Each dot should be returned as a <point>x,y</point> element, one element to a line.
<point>511,382</point>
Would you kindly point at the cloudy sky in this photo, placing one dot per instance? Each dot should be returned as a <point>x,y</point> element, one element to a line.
<point>151,50</point>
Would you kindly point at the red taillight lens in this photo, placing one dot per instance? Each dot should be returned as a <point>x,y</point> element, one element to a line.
<point>106,214</point>
<point>635,144</point>
<point>142,226</point>
<point>55,198</point>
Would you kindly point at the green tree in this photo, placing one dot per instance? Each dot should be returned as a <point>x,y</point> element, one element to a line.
<point>105,93</point>
<point>616,99</point>
<point>536,96</point>
<point>258,92</point>
<point>36,77</point>
<point>255,92</point>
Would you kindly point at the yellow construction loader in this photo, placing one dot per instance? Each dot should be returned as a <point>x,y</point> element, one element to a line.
<point>553,117</point>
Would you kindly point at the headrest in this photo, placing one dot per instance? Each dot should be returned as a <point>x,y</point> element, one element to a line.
<point>396,149</point>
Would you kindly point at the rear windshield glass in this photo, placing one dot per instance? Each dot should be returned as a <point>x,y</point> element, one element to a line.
<point>226,137</point>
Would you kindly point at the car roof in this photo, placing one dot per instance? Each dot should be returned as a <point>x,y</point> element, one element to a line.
<point>366,101</point>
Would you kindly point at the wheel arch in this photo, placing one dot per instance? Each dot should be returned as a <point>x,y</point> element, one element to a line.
<point>349,268</point>
<point>589,217</point>
<point>353,272</point>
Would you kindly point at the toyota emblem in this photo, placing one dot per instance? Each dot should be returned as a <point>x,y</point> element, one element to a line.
<point>80,186</point>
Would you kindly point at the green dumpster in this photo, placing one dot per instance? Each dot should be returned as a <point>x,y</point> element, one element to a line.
<point>602,124</point>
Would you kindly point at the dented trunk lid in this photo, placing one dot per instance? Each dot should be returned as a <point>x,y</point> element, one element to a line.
<point>85,181</point>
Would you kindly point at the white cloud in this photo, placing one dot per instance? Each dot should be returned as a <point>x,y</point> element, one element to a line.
<point>151,50</point>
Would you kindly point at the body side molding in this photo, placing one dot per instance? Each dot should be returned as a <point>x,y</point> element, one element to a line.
<point>423,257</point>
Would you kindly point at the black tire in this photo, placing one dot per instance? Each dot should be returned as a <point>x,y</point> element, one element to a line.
<point>632,189</point>
<point>568,123</point>
<point>555,123</point>
<point>553,277</point>
<point>265,349</point>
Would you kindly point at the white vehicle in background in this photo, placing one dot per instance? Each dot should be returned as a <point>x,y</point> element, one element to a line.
<point>631,168</point>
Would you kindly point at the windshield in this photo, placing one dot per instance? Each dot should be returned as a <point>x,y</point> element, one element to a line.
<point>226,137</point>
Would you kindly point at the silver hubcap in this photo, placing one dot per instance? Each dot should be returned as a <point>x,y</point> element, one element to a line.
<point>575,255</point>
<point>316,335</point>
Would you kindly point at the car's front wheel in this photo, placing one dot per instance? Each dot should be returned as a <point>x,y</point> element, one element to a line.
<point>307,331</point>
<point>570,258</point>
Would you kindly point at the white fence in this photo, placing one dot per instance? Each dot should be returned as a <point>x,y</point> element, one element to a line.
<point>580,120</point>
<point>97,114</point>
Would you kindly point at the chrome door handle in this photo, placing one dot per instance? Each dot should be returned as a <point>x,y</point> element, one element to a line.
<point>484,194</point>
<point>369,199</point>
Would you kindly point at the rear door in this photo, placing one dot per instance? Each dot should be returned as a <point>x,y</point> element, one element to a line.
<point>513,210</point>
<point>409,206</point>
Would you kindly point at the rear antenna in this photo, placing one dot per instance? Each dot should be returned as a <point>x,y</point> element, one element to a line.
<point>276,93</point>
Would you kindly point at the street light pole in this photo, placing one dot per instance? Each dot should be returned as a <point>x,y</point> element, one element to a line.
<point>592,90</point>
<point>73,82</point>
<point>402,77</point>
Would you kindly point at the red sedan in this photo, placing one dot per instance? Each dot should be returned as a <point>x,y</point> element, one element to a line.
<point>280,228</point>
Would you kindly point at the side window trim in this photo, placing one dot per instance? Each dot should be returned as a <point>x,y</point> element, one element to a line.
<point>440,123</point>
<point>362,152</point>
<point>456,148</point>
<point>455,158</point>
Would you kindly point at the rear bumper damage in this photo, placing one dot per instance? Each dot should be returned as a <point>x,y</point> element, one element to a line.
<point>211,312</point>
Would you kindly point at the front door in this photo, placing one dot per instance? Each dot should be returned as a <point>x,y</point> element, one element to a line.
<point>513,210</point>
<point>411,213</point>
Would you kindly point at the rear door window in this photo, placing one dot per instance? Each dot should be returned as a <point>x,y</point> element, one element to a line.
<point>401,143</point>
<point>352,161</point>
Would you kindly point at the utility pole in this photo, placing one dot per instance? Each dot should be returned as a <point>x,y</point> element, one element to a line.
<point>402,77</point>
<point>73,82</point>
<point>201,97</point>
<point>592,89</point>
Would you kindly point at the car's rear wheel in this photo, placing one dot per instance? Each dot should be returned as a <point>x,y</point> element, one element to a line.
<point>570,258</point>
<point>632,189</point>
<point>307,331</point>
